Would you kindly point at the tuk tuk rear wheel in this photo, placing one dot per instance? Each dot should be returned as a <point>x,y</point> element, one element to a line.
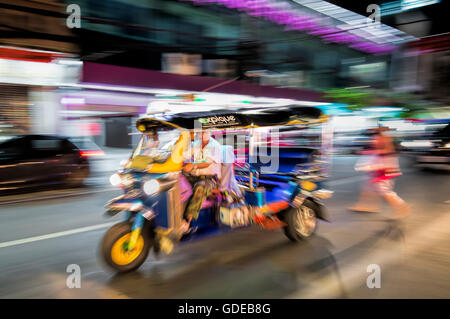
<point>114,248</point>
<point>301,221</point>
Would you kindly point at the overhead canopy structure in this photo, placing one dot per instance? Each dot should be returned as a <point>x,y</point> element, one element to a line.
<point>320,18</point>
<point>224,119</point>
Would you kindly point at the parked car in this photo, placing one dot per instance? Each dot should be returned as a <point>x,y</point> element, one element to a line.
<point>437,155</point>
<point>430,149</point>
<point>41,160</point>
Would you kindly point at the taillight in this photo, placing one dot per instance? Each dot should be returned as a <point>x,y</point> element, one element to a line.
<point>92,153</point>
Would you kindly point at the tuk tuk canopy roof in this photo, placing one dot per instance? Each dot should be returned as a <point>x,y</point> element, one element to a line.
<point>244,118</point>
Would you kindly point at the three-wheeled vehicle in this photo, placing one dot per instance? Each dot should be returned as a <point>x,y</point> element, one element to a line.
<point>156,191</point>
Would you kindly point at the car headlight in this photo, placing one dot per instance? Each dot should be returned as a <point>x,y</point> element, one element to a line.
<point>447,145</point>
<point>115,179</point>
<point>151,187</point>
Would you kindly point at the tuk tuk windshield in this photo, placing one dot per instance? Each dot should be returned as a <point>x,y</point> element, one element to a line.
<point>157,145</point>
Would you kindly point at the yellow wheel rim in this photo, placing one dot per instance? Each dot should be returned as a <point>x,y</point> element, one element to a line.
<point>121,256</point>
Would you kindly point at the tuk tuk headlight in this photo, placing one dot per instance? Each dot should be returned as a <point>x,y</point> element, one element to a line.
<point>151,187</point>
<point>115,179</point>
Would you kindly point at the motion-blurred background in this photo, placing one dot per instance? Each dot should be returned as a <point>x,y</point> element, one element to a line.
<point>87,69</point>
<point>75,75</point>
<point>93,78</point>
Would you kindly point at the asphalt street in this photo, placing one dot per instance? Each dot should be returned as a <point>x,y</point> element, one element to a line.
<point>41,234</point>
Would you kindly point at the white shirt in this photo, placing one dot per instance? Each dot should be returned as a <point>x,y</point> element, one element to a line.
<point>211,152</point>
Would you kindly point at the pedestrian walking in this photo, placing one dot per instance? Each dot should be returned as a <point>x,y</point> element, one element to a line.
<point>381,163</point>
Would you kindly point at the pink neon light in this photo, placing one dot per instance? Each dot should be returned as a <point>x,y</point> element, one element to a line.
<point>266,10</point>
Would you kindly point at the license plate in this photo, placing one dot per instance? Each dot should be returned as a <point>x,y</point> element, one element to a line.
<point>434,159</point>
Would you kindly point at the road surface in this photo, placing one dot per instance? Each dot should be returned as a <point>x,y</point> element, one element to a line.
<point>41,234</point>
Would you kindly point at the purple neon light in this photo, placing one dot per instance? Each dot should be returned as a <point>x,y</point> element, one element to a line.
<point>321,31</point>
<point>270,12</point>
<point>373,48</point>
<point>341,37</point>
<point>303,24</point>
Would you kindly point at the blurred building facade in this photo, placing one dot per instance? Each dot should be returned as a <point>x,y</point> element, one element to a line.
<point>33,46</point>
<point>421,66</point>
<point>228,39</point>
<point>305,45</point>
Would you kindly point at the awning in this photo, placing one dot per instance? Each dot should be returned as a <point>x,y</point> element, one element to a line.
<point>95,73</point>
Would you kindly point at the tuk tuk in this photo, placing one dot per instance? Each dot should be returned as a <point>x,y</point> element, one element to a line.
<point>156,190</point>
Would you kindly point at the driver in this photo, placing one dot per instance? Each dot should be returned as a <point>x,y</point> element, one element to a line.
<point>152,143</point>
<point>154,148</point>
<point>203,173</point>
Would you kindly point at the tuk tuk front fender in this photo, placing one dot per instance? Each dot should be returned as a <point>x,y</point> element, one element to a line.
<point>320,207</point>
<point>121,203</point>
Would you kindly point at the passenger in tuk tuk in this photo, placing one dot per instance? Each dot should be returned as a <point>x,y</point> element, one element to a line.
<point>202,168</point>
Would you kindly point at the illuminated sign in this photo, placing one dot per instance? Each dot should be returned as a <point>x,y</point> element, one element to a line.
<point>218,120</point>
<point>395,7</point>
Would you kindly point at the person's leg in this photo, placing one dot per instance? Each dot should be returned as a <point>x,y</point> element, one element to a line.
<point>369,200</point>
<point>386,189</point>
<point>202,189</point>
<point>193,180</point>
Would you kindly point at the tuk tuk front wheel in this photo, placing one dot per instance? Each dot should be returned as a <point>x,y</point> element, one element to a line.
<point>301,221</point>
<point>115,252</point>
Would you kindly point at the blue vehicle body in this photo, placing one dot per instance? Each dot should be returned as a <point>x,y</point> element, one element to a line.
<point>277,187</point>
<point>154,203</point>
